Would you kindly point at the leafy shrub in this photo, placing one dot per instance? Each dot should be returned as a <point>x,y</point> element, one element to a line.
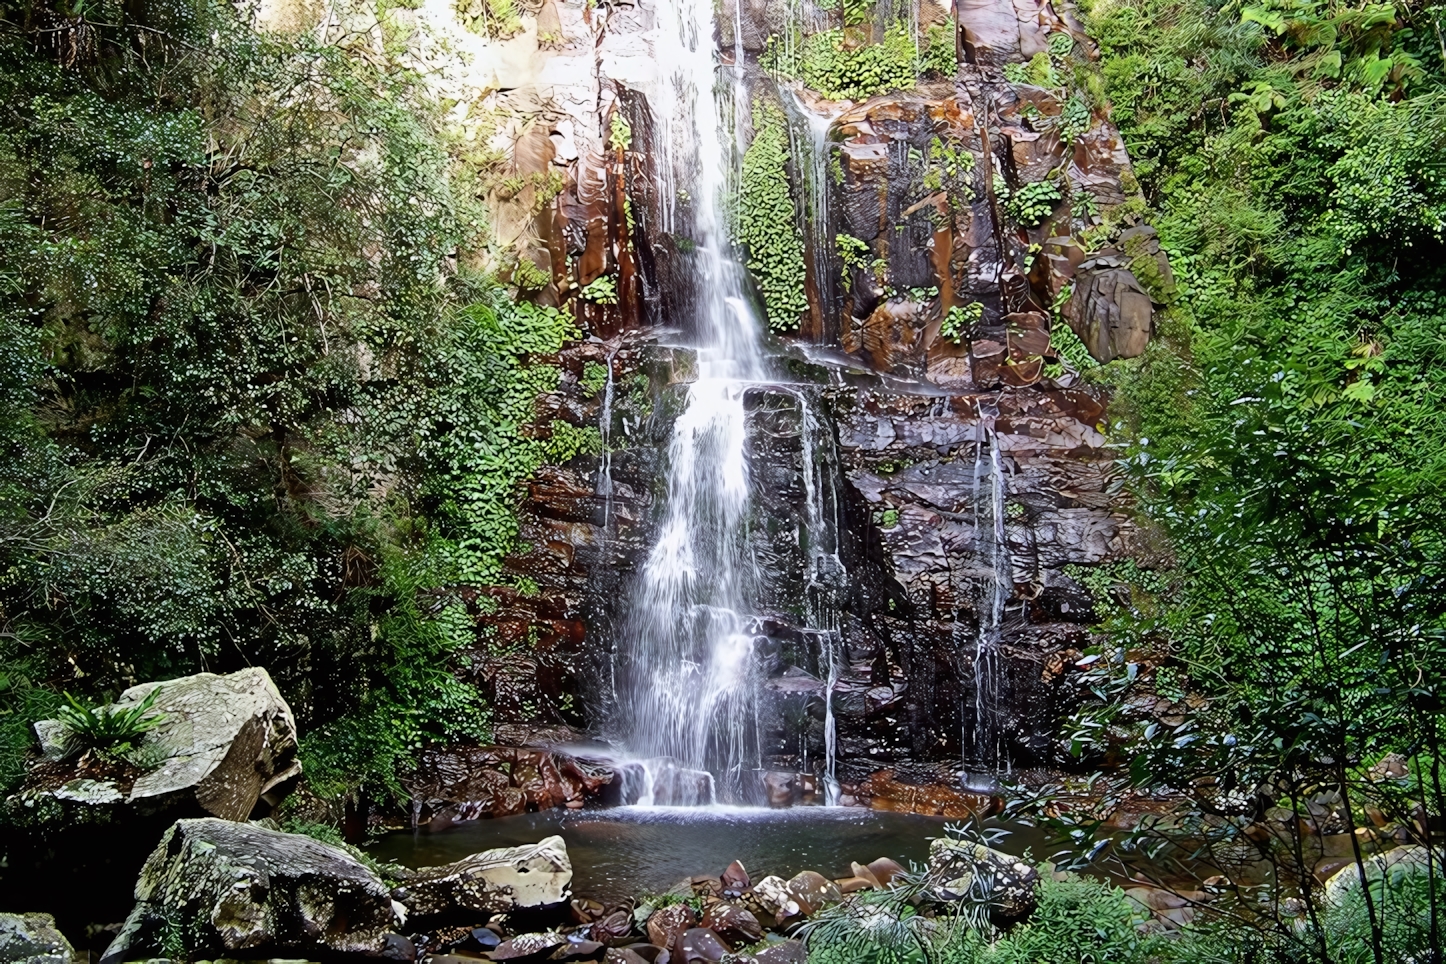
<point>602,290</point>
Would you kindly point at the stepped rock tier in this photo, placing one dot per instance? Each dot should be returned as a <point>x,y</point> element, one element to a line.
<point>927,474</point>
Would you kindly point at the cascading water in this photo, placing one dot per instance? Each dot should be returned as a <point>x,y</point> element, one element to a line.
<point>991,550</point>
<point>809,146</point>
<point>692,683</point>
<point>825,576</point>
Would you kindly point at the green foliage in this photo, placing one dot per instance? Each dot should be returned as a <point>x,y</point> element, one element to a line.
<point>1030,205</point>
<point>1067,345</point>
<point>113,731</point>
<point>767,221</point>
<point>939,56</point>
<point>490,18</point>
<point>1286,432</point>
<point>528,276</point>
<point>620,134</point>
<point>602,290</point>
<point>960,320</point>
<point>842,67</point>
<point>250,414</point>
<point>594,378</point>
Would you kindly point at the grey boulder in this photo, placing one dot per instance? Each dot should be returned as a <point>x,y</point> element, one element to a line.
<point>959,870</point>
<point>225,741</point>
<point>241,888</point>
<point>33,939</point>
<point>508,878</point>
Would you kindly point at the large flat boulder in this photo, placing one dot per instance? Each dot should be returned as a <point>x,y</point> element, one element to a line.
<point>224,742</point>
<point>239,888</point>
<point>505,879</point>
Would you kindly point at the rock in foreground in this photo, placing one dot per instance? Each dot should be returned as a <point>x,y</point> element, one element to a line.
<point>961,870</point>
<point>33,939</point>
<point>236,888</point>
<point>508,878</point>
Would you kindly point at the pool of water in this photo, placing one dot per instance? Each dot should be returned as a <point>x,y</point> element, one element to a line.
<point>625,851</point>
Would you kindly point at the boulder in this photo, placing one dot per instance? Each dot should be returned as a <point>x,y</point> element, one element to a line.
<point>237,888</point>
<point>735,879</point>
<point>736,926</point>
<point>664,926</point>
<point>784,952</point>
<point>225,741</point>
<point>959,869</point>
<point>813,891</point>
<point>33,939</point>
<point>493,881</point>
<point>528,945</point>
<point>1392,865</point>
<point>773,903</point>
<point>697,945</point>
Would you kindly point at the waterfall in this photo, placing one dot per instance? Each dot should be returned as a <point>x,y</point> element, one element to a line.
<point>809,146</point>
<point>605,430</point>
<point>692,688</point>
<point>825,574</point>
<point>991,551</point>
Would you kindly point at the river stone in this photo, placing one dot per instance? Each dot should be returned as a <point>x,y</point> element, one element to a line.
<point>885,869</point>
<point>735,879</point>
<point>33,939</point>
<point>243,888</point>
<point>774,902</point>
<point>784,952</point>
<point>527,945</point>
<point>958,868</point>
<point>665,925</point>
<point>733,924</point>
<point>224,742</point>
<point>813,891</point>
<point>495,881</point>
<point>698,944</point>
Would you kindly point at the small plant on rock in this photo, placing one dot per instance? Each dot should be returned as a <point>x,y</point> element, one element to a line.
<point>110,731</point>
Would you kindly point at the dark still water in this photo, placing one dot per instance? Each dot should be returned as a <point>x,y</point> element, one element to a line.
<point>626,851</point>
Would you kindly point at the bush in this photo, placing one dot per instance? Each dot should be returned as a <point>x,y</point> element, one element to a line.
<point>112,731</point>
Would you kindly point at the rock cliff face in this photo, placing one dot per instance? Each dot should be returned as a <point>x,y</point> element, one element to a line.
<point>971,245</point>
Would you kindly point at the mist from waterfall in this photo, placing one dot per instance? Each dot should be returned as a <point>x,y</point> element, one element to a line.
<point>692,681</point>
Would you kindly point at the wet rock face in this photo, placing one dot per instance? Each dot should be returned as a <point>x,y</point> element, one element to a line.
<point>458,783</point>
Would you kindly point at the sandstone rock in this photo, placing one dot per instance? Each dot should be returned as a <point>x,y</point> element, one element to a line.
<point>736,926</point>
<point>772,897</point>
<point>961,870</point>
<point>885,869</point>
<point>696,945</point>
<point>624,955</point>
<point>665,925</point>
<point>224,742</point>
<point>453,784</point>
<point>1109,310</point>
<point>241,888</point>
<point>784,952</point>
<point>508,878</point>
<point>813,891</point>
<point>33,939</point>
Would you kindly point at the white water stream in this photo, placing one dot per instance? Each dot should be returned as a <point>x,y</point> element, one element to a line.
<point>689,636</point>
